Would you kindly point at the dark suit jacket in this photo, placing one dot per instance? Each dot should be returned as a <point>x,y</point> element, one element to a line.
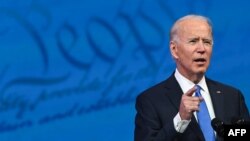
<point>157,106</point>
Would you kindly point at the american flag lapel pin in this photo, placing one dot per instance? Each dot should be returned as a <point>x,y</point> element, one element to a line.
<point>218,92</point>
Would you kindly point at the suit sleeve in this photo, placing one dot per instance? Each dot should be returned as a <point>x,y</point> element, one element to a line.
<point>148,126</point>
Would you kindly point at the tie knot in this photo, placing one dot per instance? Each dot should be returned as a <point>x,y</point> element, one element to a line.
<point>198,90</point>
<point>198,87</point>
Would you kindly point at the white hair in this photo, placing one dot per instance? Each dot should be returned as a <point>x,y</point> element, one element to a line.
<point>175,28</point>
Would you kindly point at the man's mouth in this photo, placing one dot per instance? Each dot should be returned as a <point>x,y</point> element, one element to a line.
<point>200,60</point>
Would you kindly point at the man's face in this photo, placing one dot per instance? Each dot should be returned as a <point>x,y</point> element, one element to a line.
<point>193,47</point>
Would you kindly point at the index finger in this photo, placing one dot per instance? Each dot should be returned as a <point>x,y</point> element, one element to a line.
<point>190,91</point>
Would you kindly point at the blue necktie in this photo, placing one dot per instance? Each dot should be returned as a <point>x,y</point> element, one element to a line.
<point>204,119</point>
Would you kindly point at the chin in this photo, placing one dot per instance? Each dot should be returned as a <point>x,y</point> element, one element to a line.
<point>201,71</point>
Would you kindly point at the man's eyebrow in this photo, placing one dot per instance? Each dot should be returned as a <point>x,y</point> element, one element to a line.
<point>194,38</point>
<point>207,38</point>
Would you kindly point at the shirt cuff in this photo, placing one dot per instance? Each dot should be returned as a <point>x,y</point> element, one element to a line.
<point>179,124</point>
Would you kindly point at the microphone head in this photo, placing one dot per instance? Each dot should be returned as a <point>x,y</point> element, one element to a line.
<point>240,121</point>
<point>237,121</point>
<point>218,126</point>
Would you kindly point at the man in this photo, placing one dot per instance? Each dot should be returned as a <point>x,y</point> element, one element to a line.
<point>169,111</point>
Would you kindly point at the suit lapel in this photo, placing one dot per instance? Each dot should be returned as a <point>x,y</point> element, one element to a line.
<point>217,99</point>
<point>175,94</point>
<point>174,91</point>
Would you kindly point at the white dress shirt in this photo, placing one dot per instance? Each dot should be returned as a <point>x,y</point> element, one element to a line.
<point>185,84</point>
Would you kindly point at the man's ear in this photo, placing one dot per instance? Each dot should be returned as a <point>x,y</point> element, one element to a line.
<point>173,49</point>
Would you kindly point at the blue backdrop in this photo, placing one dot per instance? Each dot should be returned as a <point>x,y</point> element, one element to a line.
<point>71,70</point>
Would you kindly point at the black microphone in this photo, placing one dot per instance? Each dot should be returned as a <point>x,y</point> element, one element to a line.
<point>218,126</point>
<point>240,121</point>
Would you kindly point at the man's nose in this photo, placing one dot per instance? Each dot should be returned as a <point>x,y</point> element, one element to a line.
<point>201,47</point>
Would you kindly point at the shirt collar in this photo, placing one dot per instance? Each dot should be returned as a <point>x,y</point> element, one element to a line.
<point>186,84</point>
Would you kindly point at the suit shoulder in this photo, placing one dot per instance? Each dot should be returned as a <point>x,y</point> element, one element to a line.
<point>223,85</point>
<point>154,90</point>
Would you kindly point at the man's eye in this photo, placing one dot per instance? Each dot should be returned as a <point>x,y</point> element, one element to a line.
<point>208,42</point>
<point>193,41</point>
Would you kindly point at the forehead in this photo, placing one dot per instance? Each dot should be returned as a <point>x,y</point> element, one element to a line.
<point>195,27</point>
